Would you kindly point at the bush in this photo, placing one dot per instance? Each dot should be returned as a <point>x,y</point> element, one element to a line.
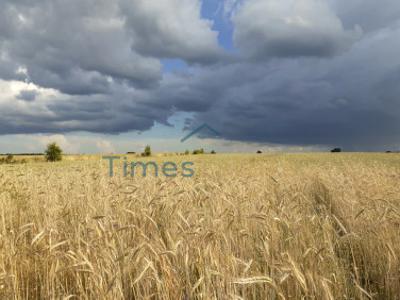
<point>9,159</point>
<point>259,152</point>
<point>53,153</point>
<point>336,150</point>
<point>147,151</point>
<point>198,151</point>
<point>213,152</point>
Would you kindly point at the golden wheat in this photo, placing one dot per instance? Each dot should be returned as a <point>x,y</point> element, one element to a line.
<point>304,226</point>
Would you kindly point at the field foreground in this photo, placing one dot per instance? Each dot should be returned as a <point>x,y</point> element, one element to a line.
<point>312,226</point>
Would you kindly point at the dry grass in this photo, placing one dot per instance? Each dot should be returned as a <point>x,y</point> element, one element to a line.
<point>309,226</point>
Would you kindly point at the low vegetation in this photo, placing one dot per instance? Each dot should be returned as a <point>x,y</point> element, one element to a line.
<point>10,159</point>
<point>304,226</point>
<point>147,151</point>
<point>53,153</point>
<point>198,151</point>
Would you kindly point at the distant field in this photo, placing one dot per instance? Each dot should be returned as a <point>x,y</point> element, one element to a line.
<point>269,226</point>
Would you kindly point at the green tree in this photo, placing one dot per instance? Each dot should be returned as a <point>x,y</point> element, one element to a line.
<point>147,151</point>
<point>53,152</point>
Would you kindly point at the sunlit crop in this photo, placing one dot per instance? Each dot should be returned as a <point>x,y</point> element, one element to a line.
<point>294,226</point>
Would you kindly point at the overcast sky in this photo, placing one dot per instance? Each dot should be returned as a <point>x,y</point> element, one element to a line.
<point>114,75</point>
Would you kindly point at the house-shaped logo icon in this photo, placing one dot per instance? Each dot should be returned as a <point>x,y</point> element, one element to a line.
<point>198,129</point>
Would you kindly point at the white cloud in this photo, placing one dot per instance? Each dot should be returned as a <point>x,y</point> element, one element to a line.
<point>171,29</point>
<point>230,7</point>
<point>12,100</point>
<point>60,139</point>
<point>105,146</point>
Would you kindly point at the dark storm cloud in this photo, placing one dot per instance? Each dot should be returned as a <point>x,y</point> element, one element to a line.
<point>94,113</point>
<point>351,100</point>
<point>313,73</point>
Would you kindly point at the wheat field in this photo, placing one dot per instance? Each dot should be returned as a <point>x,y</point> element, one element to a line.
<point>270,226</point>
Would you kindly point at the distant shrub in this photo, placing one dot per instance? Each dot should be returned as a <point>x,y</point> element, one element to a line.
<point>198,151</point>
<point>259,152</point>
<point>336,150</point>
<point>213,152</point>
<point>147,151</point>
<point>53,153</point>
<point>9,159</point>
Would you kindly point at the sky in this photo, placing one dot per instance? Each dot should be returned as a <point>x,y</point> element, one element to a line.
<point>111,76</point>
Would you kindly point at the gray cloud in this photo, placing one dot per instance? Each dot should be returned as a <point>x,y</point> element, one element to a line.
<point>303,76</point>
<point>79,45</point>
<point>371,15</point>
<point>351,100</point>
<point>28,95</point>
<point>274,28</point>
<point>171,29</point>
